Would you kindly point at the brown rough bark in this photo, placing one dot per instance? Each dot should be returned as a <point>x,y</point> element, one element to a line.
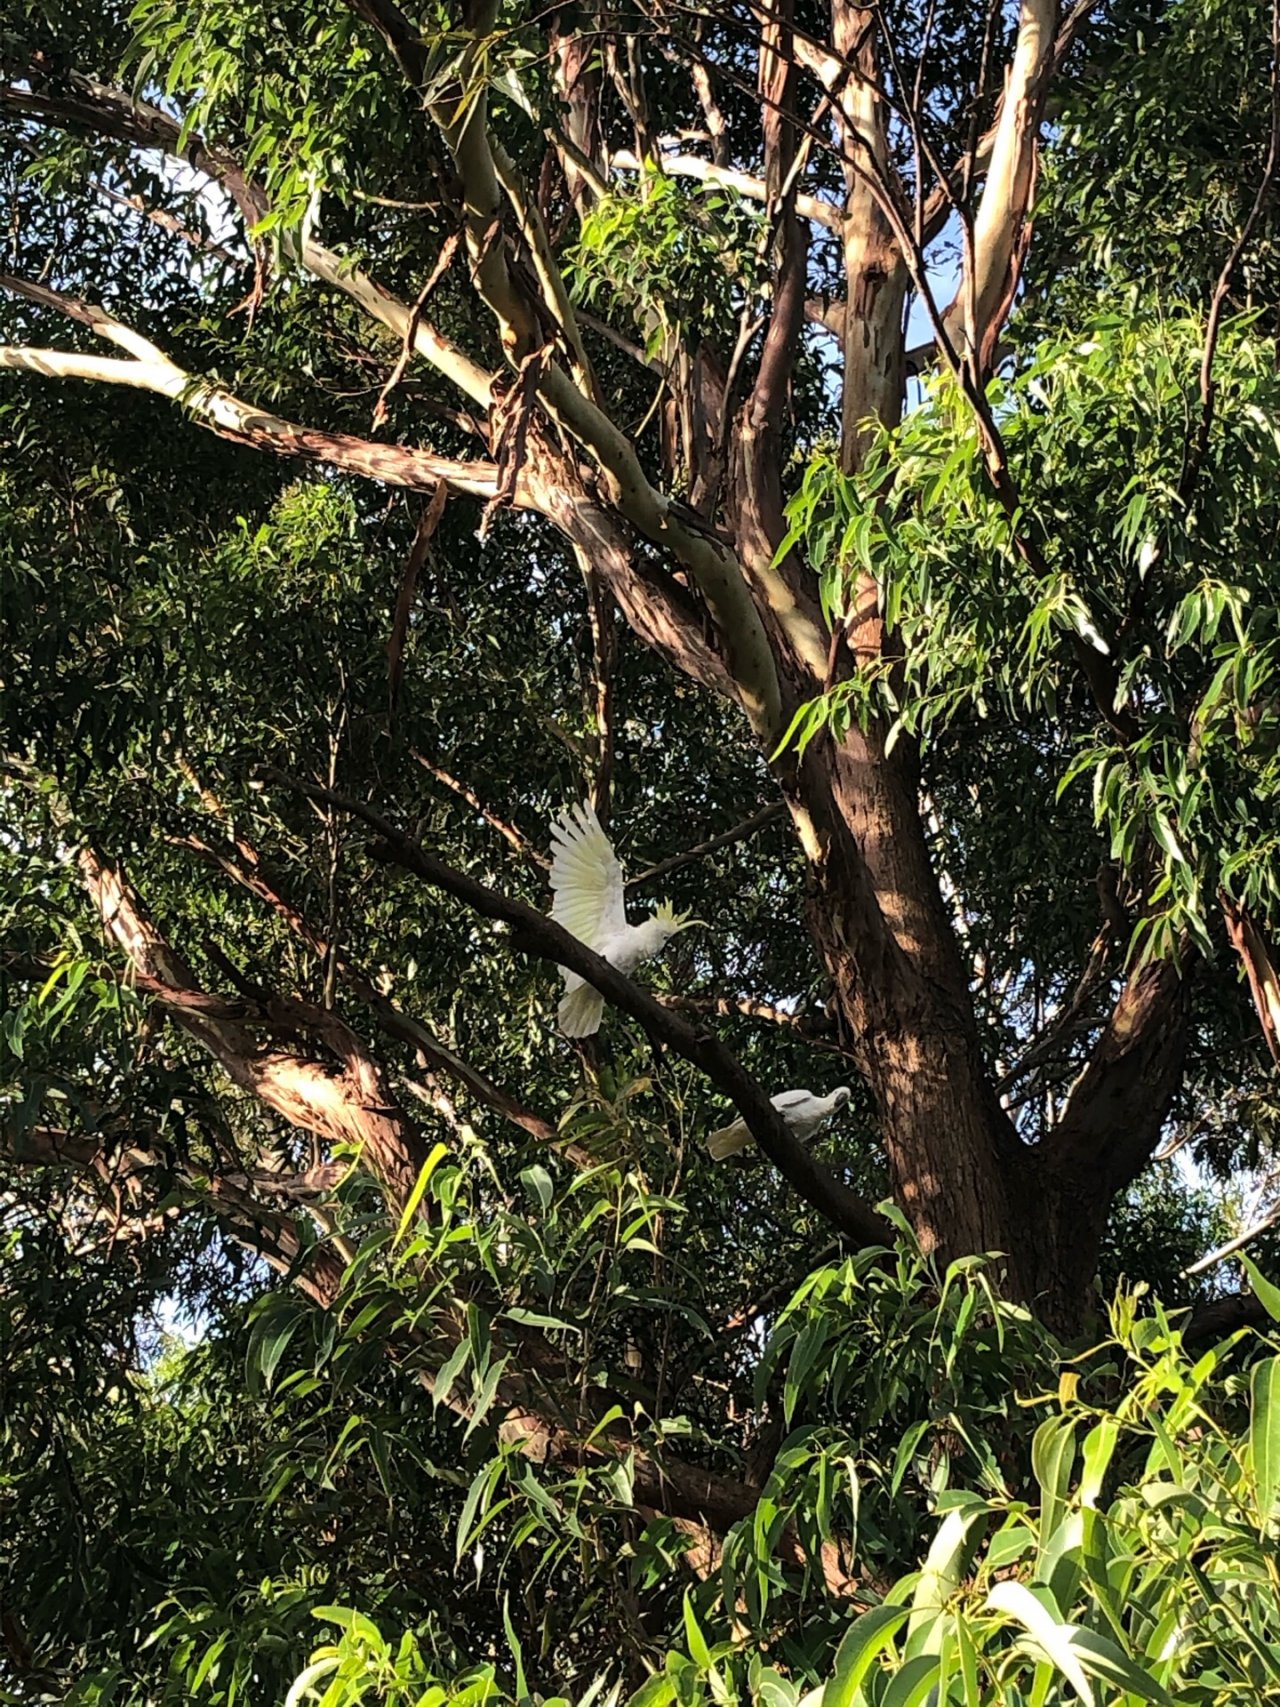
<point>878,918</point>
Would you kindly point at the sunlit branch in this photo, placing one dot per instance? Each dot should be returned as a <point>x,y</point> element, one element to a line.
<point>152,370</point>
<point>88,104</point>
<point>742,183</point>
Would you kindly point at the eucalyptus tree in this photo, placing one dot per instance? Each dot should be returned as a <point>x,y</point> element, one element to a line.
<point>419,419</point>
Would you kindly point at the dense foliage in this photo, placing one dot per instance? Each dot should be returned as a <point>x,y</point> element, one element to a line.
<point>413,422</point>
<point>1091,1524</point>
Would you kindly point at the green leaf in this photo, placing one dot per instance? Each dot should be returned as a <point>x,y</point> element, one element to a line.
<point>1264,1435</point>
<point>539,1184</point>
<point>1263,1290</point>
<point>911,1684</point>
<point>433,1161</point>
<point>659,1691</point>
<point>944,1567</point>
<point>1016,1601</point>
<point>1053,1453</point>
<point>1099,1445</point>
<point>698,1649</point>
<point>442,1384</point>
<point>270,1341</point>
<point>860,1646</point>
<point>1102,1658</point>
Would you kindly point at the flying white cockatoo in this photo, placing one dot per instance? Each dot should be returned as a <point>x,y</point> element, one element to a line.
<point>586,880</point>
<point>803,1112</point>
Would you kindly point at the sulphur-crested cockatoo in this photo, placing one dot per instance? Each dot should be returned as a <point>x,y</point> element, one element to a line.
<point>586,880</point>
<point>803,1112</point>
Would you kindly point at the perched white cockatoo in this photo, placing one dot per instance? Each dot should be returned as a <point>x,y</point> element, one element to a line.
<point>586,880</point>
<point>803,1112</point>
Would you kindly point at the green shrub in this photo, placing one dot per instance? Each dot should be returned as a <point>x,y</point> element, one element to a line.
<point>1138,1563</point>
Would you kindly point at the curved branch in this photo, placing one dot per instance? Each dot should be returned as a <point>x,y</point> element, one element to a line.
<point>347,1102</point>
<point>93,106</point>
<point>243,866</point>
<point>660,611</point>
<point>750,188</point>
<point>1118,1106</point>
<point>230,417</point>
<point>538,935</point>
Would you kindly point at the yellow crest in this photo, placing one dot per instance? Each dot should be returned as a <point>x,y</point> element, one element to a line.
<point>674,921</point>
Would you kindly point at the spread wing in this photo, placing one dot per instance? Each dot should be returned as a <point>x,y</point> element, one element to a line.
<point>791,1100</point>
<point>586,878</point>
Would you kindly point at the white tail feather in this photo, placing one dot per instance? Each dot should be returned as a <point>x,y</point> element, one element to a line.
<point>580,1012</point>
<point>728,1141</point>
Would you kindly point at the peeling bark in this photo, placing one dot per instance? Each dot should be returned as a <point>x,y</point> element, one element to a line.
<point>1000,229</point>
<point>350,1102</point>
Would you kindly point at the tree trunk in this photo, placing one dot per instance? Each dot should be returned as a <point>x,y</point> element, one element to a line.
<point>880,924</point>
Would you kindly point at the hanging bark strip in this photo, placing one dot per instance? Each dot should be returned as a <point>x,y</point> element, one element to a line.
<point>510,418</point>
<point>427,525</point>
<point>411,330</point>
<point>1264,985</point>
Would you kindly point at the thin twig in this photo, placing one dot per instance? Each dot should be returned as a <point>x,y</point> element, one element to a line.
<point>739,833</point>
<point>519,841</point>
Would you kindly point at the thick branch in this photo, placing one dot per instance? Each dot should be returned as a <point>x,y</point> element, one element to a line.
<point>785,588</point>
<point>1000,228</point>
<point>540,936</point>
<point>228,416</point>
<point>660,611</point>
<point>1115,1113</point>
<point>244,868</point>
<point>714,569</point>
<point>351,1103</point>
<point>1220,1317</point>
